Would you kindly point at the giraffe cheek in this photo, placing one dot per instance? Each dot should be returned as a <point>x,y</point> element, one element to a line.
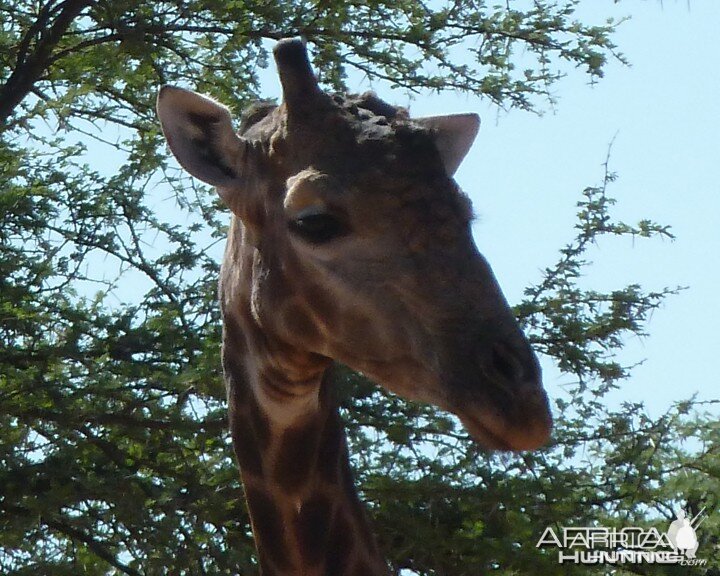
<point>367,339</point>
<point>322,304</point>
<point>405,377</point>
<point>300,327</point>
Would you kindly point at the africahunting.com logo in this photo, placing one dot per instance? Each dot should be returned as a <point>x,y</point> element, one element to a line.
<point>602,545</point>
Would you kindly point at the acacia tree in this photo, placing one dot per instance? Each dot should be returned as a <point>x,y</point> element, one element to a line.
<point>114,456</point>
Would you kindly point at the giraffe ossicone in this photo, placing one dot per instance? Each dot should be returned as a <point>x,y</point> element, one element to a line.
<point>349,242</point>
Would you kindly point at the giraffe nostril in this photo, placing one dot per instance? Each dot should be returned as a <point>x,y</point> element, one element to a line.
<point>505,363</point>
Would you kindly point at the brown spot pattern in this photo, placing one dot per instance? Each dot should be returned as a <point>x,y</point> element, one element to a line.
<point>261,427</point>
<point>340,546</point>
<point>235,377</point>
<point>332,449</point>
<point>355,509</point>
<point>267,527</point>
<point>297,455</point>
<point>361,568</point>
<point>233,350</point>
<point>233,335</point>
<point>246,445</point>
<point>312,528</point>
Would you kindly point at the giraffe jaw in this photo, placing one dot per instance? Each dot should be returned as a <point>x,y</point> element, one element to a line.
<point>494,429</point>
<point>507,440</point>
<point>522,422</point>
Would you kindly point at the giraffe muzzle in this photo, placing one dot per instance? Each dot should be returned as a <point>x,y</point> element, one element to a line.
<point>502,403</point>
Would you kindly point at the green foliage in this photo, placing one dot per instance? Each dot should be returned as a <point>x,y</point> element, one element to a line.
<point>114,458</point>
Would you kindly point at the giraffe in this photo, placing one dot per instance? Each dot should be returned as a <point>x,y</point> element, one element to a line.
<point>349,242</point>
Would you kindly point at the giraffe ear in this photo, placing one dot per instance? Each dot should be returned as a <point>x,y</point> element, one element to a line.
<point>454,134</point>
<point>199,133</point>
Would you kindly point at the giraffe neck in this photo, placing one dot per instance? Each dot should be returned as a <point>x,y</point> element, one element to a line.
<point>306,516</point>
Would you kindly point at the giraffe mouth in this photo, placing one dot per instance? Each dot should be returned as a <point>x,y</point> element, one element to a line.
<point>502,403</point>
<point>484,435</point>
<point>496,433</point>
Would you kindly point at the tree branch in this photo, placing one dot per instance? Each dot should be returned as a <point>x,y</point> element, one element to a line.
<point>95,546</point>
<point>215,425</point>
<point>29,69</point>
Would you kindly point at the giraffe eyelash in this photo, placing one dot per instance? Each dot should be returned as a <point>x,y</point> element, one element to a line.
<point>318,227</point>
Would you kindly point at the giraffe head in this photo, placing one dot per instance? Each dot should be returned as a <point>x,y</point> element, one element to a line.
<point>361,249</point>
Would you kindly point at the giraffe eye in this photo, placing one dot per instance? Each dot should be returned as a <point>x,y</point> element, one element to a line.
<point>317,227</point>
